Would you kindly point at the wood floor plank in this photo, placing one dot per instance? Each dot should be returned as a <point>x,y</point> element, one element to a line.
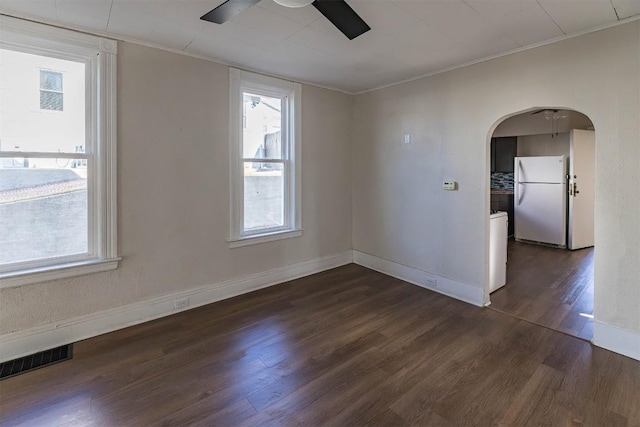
<point>210,412</point>
<point>550,287</point>
<point>537,398</point>
<point>349,346</point>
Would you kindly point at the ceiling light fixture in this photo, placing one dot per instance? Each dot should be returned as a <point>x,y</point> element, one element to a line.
<point>554,116</point>
<point>549,115</point>
<point>294,3</point>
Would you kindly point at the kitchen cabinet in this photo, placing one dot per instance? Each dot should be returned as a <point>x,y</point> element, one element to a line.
<point>503,151</point>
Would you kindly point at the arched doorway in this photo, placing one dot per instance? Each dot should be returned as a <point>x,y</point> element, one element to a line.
<point>542,184</point>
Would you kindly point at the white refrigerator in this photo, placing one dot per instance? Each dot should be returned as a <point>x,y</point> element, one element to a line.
<point>540,199</point>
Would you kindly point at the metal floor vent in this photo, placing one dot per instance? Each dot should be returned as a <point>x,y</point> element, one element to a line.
<point>35,361</point>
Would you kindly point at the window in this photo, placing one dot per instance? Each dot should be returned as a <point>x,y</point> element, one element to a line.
<point>265,158</point>
<point>51,97</point>
<point>57,171</point>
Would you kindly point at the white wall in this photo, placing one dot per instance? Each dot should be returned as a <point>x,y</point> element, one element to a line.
<point>544,145</point>
<point>402,215</point>
<point>47,130</point>
<point>537,124</point>
<point>173,191</point>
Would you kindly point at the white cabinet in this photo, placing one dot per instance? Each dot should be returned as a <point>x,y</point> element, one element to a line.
<point>498,238</point>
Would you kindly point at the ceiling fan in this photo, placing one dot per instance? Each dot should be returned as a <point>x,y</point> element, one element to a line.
<point>553,115</point>
<point>338,12</point>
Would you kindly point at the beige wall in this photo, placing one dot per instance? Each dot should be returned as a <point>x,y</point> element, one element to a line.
<point>544,145</point>
<point>173,191</point>
<point>402,215</point>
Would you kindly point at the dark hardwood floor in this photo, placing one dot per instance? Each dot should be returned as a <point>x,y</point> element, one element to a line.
<point>341,348</point>
<point>548,286</point>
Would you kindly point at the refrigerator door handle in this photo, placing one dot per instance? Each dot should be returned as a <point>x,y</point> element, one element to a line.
<point>520,189</point>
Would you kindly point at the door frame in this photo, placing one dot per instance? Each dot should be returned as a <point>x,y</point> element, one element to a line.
<point>487,296</point>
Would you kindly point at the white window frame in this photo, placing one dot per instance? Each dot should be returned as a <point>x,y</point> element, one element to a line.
<point>291,94</point>
<point>99,56</point>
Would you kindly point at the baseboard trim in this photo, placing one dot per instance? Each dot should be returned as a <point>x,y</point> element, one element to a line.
<point>618,340</point>
<point>449,287</point>
<point>25,342</point>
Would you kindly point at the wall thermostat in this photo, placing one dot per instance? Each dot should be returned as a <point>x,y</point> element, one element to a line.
<point>450,185</point>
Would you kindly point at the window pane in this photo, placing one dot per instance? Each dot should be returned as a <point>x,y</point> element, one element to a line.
<point>262,122</point>
<point>35,114</point>
<point>263,195</point>
<point>43,210</point>
<point>50,100</point>
<point>50,80</point>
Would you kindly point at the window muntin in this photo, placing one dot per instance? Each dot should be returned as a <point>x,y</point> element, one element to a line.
<point>265,142</point>
<point>57,171</point>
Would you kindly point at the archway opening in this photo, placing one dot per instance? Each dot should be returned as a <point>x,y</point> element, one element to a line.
<point>541,220</point>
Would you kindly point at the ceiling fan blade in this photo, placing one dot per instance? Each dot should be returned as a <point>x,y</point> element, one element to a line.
<point>343,17</point>
<point>227,10</point>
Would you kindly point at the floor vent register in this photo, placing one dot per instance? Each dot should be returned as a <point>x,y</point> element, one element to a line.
<point>35,361</point>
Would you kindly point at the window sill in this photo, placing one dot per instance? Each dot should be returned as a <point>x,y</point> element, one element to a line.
<point>59,271</point>
<point>263,238</point>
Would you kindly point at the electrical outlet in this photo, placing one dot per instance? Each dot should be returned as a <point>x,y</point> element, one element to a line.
<point>181,303</point>
<point>431,281</point>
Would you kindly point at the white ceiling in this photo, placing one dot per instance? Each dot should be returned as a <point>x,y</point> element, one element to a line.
<point>408,37</point>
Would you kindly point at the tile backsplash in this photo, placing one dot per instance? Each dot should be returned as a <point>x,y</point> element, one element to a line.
<point>501,181</point>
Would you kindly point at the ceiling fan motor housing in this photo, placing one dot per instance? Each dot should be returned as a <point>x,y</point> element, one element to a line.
<point>338,12</point>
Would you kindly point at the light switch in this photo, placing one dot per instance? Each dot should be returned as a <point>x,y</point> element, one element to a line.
<point>407,138</point>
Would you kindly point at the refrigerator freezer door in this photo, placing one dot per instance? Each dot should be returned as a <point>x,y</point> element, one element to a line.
<point>550,169</point>
<point>540,213</point>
